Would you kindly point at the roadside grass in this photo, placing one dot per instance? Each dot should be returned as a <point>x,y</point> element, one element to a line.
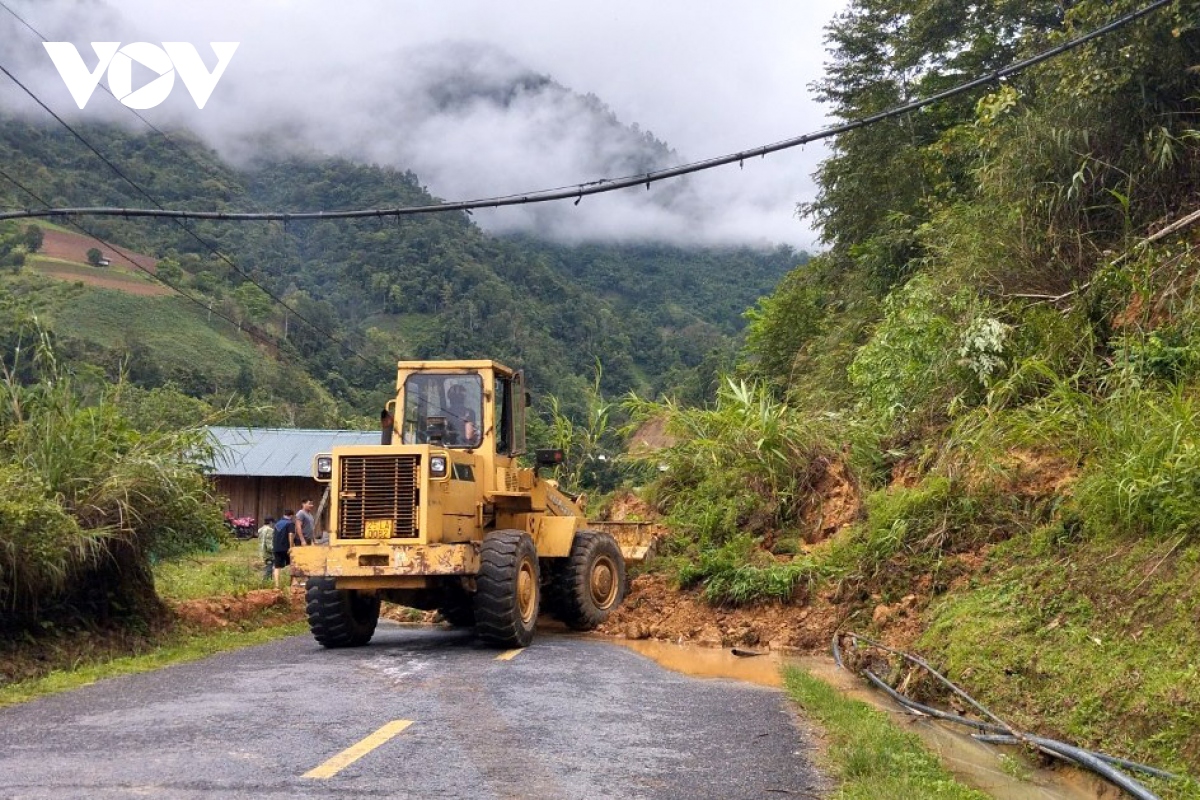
<point>1095,643</point>
<point>872,757</point>
<point>180,646</point>
<point>233,570</point>
<point>65,660</point>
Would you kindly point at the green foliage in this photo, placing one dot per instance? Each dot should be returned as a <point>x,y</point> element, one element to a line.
<point>1143,476</point>
<point>1093,644</point>
<point>591,451</point>
<point>737,472</point>
<point>908,531</point>
<point>234,569</point>
<point>737,573</point>
<point>782,324</point>
<point>931,352</point>
<point>872,756</point>
<point>33,238</point>
<point>88,499</point>
<point>42,547</point>
<point>752,454</point>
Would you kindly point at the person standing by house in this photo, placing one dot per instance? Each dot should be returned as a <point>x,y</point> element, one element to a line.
<point>306,526</point>
<point>266,547</point>
<point>283,538</point>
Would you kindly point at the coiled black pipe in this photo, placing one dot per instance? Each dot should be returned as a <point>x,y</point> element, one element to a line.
<point>1101,764</point>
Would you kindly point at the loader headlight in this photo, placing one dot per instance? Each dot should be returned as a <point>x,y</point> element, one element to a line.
<point>324,468</point>
<point>437,466</point>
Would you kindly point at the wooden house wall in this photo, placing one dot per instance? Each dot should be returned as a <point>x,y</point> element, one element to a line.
<point>262,497</point>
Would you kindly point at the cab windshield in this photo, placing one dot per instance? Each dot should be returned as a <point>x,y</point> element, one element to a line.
<point>443,409</point>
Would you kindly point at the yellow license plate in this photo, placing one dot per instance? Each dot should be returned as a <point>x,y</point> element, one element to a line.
<point>379,528</point>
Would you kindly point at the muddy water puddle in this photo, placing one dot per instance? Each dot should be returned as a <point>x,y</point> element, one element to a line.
<point>975,764</point>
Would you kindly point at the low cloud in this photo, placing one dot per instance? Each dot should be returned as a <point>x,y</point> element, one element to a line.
<point>489,114</point>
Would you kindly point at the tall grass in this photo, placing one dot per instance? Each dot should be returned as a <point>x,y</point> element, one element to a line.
<point>1137,444</point>
<point>739,470</point>
<point>87,499</point>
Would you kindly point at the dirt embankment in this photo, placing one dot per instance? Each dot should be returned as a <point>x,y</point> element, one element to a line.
<point>215,613</point>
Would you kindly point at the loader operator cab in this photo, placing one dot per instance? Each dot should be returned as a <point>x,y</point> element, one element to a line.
<point>443,409</point>
<point>454,409</point>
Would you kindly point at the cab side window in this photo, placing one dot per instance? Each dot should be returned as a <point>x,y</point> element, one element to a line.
<point>502,397</point>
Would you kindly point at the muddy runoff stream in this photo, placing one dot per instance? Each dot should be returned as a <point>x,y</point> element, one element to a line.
<point>975,764</point>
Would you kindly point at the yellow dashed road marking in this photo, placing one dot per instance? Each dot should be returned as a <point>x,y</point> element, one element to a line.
<point>509,655</point>
<point>356,751</point>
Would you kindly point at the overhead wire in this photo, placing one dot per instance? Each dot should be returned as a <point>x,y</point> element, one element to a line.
<point>577,192</point>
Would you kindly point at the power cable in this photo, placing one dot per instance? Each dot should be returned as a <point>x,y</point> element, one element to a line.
<point>601,186</point>
<point>178,221</point>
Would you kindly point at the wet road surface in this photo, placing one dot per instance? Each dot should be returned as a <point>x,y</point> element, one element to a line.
<point>419,713</point>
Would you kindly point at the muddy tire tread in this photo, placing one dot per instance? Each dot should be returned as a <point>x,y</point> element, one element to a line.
<point>497,616</point>
<point>331,616</point>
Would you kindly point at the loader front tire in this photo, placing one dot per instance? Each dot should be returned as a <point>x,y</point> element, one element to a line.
<point>340,617</point>
<point>592,583</point>
<point>507,589</point>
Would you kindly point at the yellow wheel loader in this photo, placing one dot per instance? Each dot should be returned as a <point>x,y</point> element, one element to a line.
<point>442,515</point>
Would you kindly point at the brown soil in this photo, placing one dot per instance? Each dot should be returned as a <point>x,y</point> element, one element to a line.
<point>656,610</point>
<point>100,280</point>
<point>839,503</point>
<point>651,436</point>
<point>214,613</point>
<point>74,247</point>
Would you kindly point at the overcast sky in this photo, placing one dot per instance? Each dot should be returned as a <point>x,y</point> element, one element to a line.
<point>707,77</point>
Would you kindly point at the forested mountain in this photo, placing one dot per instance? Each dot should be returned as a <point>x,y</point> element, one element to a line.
<point>421,287</point>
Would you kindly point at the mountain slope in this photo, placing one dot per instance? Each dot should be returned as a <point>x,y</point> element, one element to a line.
<point>420,287</point>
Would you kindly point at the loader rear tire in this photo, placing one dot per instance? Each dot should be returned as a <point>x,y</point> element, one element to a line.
<point>592,583</point>
<point>340,617</point>
<point>507,589</point>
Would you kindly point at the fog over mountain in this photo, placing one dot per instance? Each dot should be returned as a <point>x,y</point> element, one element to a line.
<point>478,102</point>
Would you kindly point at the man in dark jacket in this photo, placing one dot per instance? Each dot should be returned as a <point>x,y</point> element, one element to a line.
<point>285,537</point>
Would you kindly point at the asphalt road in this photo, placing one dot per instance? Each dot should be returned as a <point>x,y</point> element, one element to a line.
<point>565,718</point>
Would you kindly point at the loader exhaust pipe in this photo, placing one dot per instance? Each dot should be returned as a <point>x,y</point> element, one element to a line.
<point>386,426</point>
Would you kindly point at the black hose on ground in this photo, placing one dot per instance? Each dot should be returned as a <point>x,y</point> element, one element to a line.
<point>1002,733</point>
<point>1114,760</point>
<point>994,734</point>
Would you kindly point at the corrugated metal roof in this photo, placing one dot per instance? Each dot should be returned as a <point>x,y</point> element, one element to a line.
<point>277,452</point>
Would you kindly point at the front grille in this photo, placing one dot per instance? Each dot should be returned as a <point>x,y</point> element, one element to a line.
<point>378,488</point>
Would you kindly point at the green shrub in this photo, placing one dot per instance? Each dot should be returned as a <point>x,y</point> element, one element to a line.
<point>747,462</point>
<point>89,500</point>
<point>909,530</point>
<point>934,350</point>
<point>42,548</point>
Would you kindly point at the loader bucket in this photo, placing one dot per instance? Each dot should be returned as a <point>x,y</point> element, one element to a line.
<point>636,539</point>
